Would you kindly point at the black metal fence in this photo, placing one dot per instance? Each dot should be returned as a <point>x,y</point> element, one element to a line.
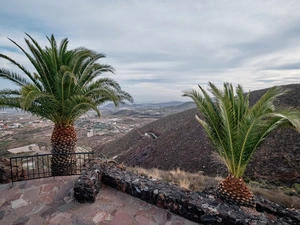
<point>39,165</point>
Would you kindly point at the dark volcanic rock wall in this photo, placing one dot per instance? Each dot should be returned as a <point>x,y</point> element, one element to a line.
<point>202,207</point>
<point>182,143</point>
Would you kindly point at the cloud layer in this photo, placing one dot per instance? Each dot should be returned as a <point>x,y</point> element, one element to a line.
<point>160,48</point>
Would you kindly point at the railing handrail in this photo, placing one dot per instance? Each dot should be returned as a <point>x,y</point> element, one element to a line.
<point>67,153</point>
<point>37,173</point>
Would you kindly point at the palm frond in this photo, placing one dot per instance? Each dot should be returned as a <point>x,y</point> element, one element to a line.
<point>14,77</point>
<point>235,129</point>
<point>65,84</point>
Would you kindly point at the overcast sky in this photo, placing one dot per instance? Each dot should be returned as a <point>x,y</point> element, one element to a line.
<point>161,48</point>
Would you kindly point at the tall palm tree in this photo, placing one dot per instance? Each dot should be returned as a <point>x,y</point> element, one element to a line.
<point>65,85</point>
<point>236,130</point>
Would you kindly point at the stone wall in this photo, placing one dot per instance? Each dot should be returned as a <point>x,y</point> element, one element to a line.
<point>18,173</point>
<point>202,207</point>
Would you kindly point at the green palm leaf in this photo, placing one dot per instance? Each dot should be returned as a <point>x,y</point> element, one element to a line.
<point>65,85</point>
<point>235,129</point>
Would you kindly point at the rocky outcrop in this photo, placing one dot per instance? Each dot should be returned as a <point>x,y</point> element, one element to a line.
<point>4,170</point>
<point>18,173</point>
<point>88,185</point>
<point>202,207</point>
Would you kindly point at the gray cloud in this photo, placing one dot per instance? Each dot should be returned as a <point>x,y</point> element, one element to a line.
<point>160,48</point>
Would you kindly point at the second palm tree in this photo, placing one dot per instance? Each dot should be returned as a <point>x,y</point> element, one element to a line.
<point>236,130</point>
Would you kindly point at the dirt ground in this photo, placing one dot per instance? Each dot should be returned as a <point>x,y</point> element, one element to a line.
<point>35,131</point>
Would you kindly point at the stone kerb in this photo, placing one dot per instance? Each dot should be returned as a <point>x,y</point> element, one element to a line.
<point>201,207</point>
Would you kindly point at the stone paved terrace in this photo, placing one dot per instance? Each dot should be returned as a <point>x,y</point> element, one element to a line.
<point>48,201</point>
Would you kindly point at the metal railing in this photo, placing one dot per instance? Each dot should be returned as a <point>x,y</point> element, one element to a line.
<point>39,165</point>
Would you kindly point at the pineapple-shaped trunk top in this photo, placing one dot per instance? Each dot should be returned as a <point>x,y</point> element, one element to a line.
<point>235,191</point>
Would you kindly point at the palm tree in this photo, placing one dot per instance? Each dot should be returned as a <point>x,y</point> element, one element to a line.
<point>236,130</point>
<point>65,85</point>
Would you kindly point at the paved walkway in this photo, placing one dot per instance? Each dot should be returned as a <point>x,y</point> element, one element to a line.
<point>48,201</point>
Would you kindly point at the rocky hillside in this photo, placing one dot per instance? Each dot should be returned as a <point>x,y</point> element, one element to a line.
<point>178,140</point>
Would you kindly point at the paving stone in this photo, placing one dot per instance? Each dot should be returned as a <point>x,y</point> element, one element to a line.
<point>18,203</point>
<point>4,192</point>
<point>60,183</point>
<point>5,186</point>
<point>13,194</point>
<point>160,216</point>
<point>143,220</point>
<point>122,199</point>
<point>107,192</point>
<point>37,209</point>
<point>24,210</point>
<point>136,205</point>
<point>146,209</point>
<point>122,218</point>
<point>21,220</point>
<point>67,179</point>
<point>31,194</point>
<point>48,187</point>
<point>61,219</point>
<point>67,206</point>
<point>89,212</point>
<point>2,201</point>
<point>68,199</point>
<point>48,208</point>
<point>112,209</point>
<point>47,197</point>
<point>63,191</point>
<point>80,221</point>
<point>31,183</point>
<point>9,219</point>
<point>22,185</point>
<point>47,180</point>
<point>101,217</point>
<point>48,212</point>
<point>6,206</point>
<point>2,214</point>
<point>36,220</point>
<point>55,204</point>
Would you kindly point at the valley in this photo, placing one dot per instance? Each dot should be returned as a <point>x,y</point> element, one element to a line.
<point>20,131</point>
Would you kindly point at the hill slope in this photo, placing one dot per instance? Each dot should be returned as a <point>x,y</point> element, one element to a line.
<point>181,142</point>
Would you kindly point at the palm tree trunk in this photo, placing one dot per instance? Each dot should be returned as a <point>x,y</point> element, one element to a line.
<point>235,191</point>
<point>63,140</point>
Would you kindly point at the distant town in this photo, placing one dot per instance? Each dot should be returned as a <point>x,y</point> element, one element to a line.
<point>22,133</point>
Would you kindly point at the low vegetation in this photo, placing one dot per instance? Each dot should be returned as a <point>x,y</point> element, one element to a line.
<point>287,196</point>
<point>4,145</point>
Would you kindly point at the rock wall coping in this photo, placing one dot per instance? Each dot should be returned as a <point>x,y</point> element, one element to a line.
<point>202,207</point>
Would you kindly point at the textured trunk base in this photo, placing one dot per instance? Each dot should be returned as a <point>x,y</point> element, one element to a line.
<point>63,141</point>
<point>63,165</point>
<point>235,191</point>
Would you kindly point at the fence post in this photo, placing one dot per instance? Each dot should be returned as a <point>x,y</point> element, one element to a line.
<point>11,173</point>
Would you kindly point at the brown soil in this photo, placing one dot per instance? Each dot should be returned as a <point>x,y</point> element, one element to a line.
<point>182,143</point>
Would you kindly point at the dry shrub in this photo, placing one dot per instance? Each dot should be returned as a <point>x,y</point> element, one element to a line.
<point>187,180</point>
<point>198,182</point>
<point>278,197</point>
<point>184,183</point>
<point>155,173</point>
<point>149,173</point>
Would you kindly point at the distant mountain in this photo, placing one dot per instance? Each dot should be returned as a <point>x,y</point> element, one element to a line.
<point>126,112</point>
<point>181,107</point>
<point>153,110</point>
<point>181,142</point>
<point>142,105</point>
